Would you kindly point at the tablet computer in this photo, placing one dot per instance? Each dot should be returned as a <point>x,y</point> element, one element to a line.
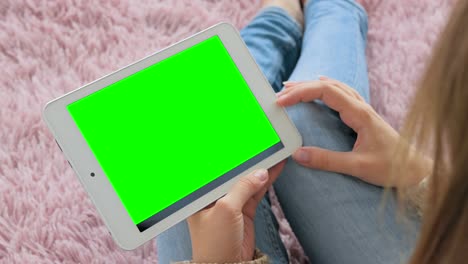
<point>162,138</point>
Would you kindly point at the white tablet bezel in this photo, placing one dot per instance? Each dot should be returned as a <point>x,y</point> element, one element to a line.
<point>83,161</point>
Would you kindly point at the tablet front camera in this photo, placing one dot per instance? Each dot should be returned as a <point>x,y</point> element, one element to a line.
<point>92,174</point>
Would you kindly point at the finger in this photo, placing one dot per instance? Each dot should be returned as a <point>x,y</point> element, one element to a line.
<point>338,84</point>
<point>288,87</point>
<point>284,91</point>
<point>250,208</point>
<point>322,159</point>
<point>246,188</point>
<point>289,84</point>
<point>304,92</point>
<point>344,87</point>
<point>258,197</point>
<point>273,173</point>
<point>335,98</point>
<point>296,86</point>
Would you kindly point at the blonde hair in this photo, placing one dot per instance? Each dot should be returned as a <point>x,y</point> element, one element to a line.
<point>438,125</point>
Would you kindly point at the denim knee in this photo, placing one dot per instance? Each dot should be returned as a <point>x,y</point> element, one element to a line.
<point>343,8</point>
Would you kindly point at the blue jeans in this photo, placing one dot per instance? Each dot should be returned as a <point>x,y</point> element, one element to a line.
<point>337,218</point>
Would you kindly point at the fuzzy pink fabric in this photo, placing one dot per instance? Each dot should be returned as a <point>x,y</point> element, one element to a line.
<point>48,48</point>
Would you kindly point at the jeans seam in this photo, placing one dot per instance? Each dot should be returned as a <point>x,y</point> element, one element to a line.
<point>357,63</point>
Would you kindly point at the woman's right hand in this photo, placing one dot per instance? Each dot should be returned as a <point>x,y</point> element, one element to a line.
<point>373,154</point>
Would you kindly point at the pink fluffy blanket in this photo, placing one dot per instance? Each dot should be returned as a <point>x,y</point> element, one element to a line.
<point>48,48</point>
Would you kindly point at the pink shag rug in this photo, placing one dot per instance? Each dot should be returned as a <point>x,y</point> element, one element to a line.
<point>48,48</point>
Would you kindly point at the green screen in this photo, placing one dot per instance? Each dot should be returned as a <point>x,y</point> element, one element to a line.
<point>166,131</point>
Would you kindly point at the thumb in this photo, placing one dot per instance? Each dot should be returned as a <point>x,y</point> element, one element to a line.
<point>246,188</point>
<point>328,160</point>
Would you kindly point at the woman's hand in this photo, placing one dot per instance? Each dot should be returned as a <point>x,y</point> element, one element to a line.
<point>373,154</point>
<point>224,231</point>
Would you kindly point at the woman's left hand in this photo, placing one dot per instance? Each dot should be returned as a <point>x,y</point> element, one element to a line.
<point>224,231</point>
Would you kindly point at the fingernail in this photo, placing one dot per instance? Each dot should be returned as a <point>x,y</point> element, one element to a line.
<point>289,82</point>
<point>323,77</point>
<point>301,155</point>
<point>261,174</point>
